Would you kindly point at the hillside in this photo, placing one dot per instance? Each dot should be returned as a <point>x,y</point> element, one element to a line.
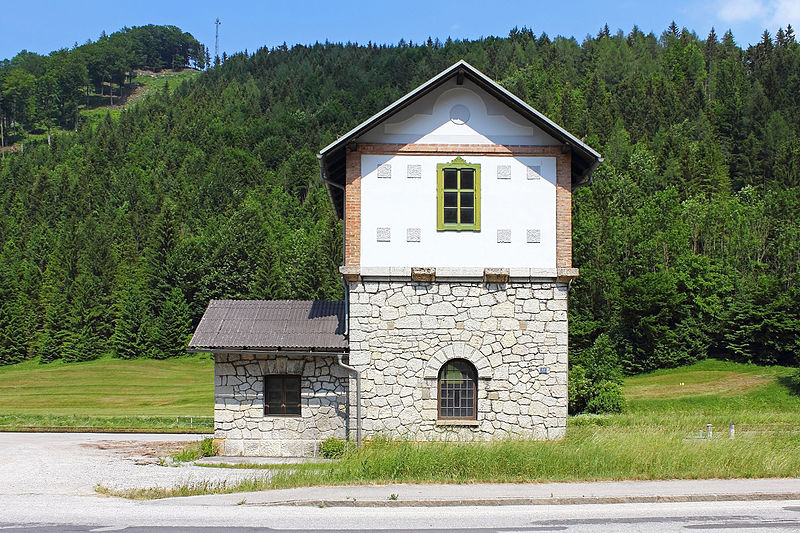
<point>115,237</point>
<point>40,95</point>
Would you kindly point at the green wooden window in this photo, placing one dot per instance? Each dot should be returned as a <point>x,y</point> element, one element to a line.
<point>458,196</point>
<point>282,395</point>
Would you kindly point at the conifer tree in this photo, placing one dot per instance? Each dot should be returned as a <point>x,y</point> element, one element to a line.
<point>170,330</point>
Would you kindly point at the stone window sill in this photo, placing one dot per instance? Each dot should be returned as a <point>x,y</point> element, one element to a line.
<point>471,423</point>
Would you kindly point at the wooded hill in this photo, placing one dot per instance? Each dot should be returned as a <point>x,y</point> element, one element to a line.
<point>115,237</point>
<point>44,92</point>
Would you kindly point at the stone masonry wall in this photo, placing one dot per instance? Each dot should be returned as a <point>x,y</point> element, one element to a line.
<point>401,333</point>
<point>239,405</point>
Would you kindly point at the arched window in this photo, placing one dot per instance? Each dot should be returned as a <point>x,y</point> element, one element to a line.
<point>458,390</point>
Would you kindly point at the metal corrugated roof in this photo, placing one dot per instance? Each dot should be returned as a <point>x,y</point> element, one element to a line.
<point>331,158</point>
<point>271,324</point>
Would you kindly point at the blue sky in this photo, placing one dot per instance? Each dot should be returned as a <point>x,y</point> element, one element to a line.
<point>42,26</point>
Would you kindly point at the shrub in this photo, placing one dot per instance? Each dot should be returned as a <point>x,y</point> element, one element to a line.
<point>794,382</point>
<point>595,379</point>
<point>578,389</point>
<point>333,448</point>
<point>208,448</point>
<point>606,397</point>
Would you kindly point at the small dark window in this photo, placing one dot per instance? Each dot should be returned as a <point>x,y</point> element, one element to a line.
<point>458,390</point>
<point>282,395</point>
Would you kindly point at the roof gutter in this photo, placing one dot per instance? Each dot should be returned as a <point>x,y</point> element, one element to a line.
<point>256,351</point>
<point>322,175</point>
<point>586,176</point>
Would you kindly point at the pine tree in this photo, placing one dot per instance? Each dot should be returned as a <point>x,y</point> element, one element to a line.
<point>170,330</point>
<point>130,338</point>
<point>13,333</point>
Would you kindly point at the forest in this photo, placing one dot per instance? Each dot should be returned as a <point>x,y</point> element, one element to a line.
<point>44,92</point>
<point>115,235</point>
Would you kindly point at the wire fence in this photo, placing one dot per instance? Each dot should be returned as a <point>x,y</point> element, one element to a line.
<point>195,421</point>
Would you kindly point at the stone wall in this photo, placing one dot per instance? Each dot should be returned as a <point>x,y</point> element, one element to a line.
<point>239,405</point>
<point>402,332</point>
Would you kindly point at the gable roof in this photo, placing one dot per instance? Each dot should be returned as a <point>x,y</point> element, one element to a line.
<point>332,157</point>
<point>271,325</point>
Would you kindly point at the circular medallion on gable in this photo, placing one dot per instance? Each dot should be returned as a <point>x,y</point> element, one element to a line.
<point>459,114</point>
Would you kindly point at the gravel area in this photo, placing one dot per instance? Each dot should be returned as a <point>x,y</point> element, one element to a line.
<point>75,463</point>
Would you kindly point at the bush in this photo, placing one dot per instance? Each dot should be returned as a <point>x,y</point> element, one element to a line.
<point>208,448</point>
<point>794,382</point>
<point>333,448</point>
<point>578,389</point>
<point>600,360</point>
<point>595,379</point>
<point>606,397</point>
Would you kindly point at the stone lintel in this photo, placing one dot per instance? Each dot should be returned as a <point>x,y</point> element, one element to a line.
<point>567,274</point>
<point>427,274</point>
<point>495,275</point>
<point>350,273</point>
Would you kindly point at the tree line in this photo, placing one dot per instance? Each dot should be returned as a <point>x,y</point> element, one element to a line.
<point>115,237</point>
<point>40,92</point>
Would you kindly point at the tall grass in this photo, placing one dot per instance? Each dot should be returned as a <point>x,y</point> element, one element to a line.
<point>587,454</point>
<point>656,439</point>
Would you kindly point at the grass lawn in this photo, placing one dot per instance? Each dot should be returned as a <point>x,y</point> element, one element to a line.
<point>145,395</point>
<point>657,438</point>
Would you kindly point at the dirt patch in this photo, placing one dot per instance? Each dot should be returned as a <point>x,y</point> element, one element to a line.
<point>165,72</point>
<point>723,384</point>
<point>141,453</point>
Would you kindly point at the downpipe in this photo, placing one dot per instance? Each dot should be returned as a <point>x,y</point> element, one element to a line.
<point>358,396</point>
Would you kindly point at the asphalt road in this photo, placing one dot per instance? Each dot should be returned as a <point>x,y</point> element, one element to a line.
<point>47,484</point>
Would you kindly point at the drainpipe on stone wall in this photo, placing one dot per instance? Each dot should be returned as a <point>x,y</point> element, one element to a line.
<point>358,397</point>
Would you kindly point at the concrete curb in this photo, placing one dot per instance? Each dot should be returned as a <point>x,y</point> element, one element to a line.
<point>493,502</point>
<point>507,494</point>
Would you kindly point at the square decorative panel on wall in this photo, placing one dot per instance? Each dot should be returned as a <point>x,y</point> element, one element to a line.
<point>413,234</point>
<point>385,171</point>
<point>384,234</point>
<point>535,172</point>
<point>534,235</point>
<point>504,235</point>
<point>504,172</point>
<point>414,171</point>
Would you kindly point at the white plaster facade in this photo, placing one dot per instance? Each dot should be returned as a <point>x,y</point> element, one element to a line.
<point>514,202</point>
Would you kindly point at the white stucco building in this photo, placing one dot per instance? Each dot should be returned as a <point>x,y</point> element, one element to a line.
<point>456,202</point>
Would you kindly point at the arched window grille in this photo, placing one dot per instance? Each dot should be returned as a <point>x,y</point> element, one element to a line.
<point>458,390</point>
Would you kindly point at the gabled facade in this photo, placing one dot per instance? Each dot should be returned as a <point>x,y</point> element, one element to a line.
<point>458,254</point>
<point>456,202</point>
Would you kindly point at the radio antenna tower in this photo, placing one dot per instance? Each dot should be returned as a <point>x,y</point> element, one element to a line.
<point>216,44</point>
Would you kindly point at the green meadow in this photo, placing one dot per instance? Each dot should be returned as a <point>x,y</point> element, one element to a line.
<point>143,395</point>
